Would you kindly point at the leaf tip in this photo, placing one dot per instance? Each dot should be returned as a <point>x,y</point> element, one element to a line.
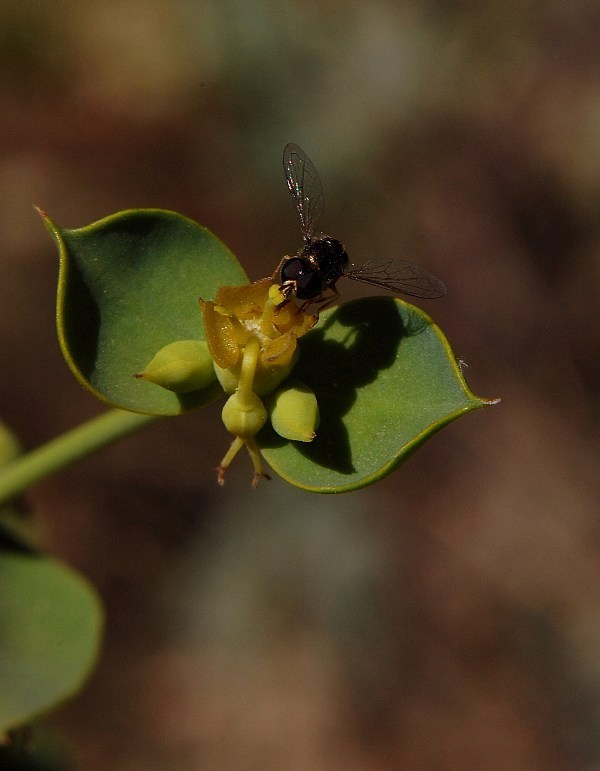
<point>43,214</point>
<point>50,226</point>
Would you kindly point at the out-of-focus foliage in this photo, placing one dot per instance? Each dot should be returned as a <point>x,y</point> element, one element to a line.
<point>51,623</point>
<point>51,630</point>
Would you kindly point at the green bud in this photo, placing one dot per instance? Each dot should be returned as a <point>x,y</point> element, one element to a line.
<point>182,366</point>
<point>266,378</point>
<point>269,376</point>
<point>228,378</point>
<point>244,415</point>
<point>295,412</point>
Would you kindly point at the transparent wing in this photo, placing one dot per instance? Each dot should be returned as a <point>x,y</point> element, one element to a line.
<point>398,276</point>
<point>305,186</point>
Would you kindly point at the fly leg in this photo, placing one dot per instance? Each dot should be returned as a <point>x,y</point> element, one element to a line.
<point>321,301</point>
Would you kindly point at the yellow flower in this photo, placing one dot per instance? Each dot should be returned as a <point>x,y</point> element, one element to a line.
<point>241,313</point>
<point>251,334</point>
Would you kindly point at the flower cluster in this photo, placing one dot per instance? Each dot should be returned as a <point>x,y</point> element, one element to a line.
<point>251,333</point>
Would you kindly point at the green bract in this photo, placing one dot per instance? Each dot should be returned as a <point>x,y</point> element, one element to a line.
<point>385,379</point>
<point>128,286</point>
<point>384,375</point>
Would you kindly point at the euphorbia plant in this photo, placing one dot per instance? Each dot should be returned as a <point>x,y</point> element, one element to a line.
<point>376,376</point>
<point>383,374</point>
<point>156,317</point>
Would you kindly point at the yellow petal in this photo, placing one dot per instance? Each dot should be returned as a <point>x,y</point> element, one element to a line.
<point>220,335</point>
<point>279,351</point>
<point>244,301</point>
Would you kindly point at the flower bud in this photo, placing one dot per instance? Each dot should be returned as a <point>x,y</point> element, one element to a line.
<point>244,415</point>
<point>182,366</point>
<point>295,412</point>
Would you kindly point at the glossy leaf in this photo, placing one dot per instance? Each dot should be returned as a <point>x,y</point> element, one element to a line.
<point>128,286</point>
<point>385,379</point>
<point>50,628</point>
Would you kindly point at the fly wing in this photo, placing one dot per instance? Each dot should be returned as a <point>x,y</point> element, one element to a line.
<point>398,276</point>
<point>305,186</point>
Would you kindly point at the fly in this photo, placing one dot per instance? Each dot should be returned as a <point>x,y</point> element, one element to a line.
<point>322,260</point>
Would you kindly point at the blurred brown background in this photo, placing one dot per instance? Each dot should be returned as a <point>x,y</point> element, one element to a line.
<point>448,617</point>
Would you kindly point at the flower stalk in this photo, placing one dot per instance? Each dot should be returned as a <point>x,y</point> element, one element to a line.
<point>68,448</point>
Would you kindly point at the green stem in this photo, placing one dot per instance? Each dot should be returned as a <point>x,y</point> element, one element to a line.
<point>248,369</point>
<point>68,448</point>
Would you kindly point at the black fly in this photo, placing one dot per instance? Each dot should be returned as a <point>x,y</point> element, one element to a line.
<point>322,260</point>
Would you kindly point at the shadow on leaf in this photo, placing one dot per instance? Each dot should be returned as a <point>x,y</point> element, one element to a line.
<point>372,331</point>
<point>81,322</point>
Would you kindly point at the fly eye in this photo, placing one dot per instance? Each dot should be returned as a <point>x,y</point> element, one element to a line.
<point>306,281</point>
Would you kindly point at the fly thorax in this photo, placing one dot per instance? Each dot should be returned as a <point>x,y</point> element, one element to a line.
<point>329,258</point>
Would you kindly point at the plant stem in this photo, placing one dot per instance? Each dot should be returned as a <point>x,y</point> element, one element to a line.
<point>68,448</point>
<point>248,369</point>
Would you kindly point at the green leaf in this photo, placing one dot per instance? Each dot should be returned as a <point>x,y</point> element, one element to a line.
<point>385,379</point>
<point>50,628</point>
<point>128,286</point>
